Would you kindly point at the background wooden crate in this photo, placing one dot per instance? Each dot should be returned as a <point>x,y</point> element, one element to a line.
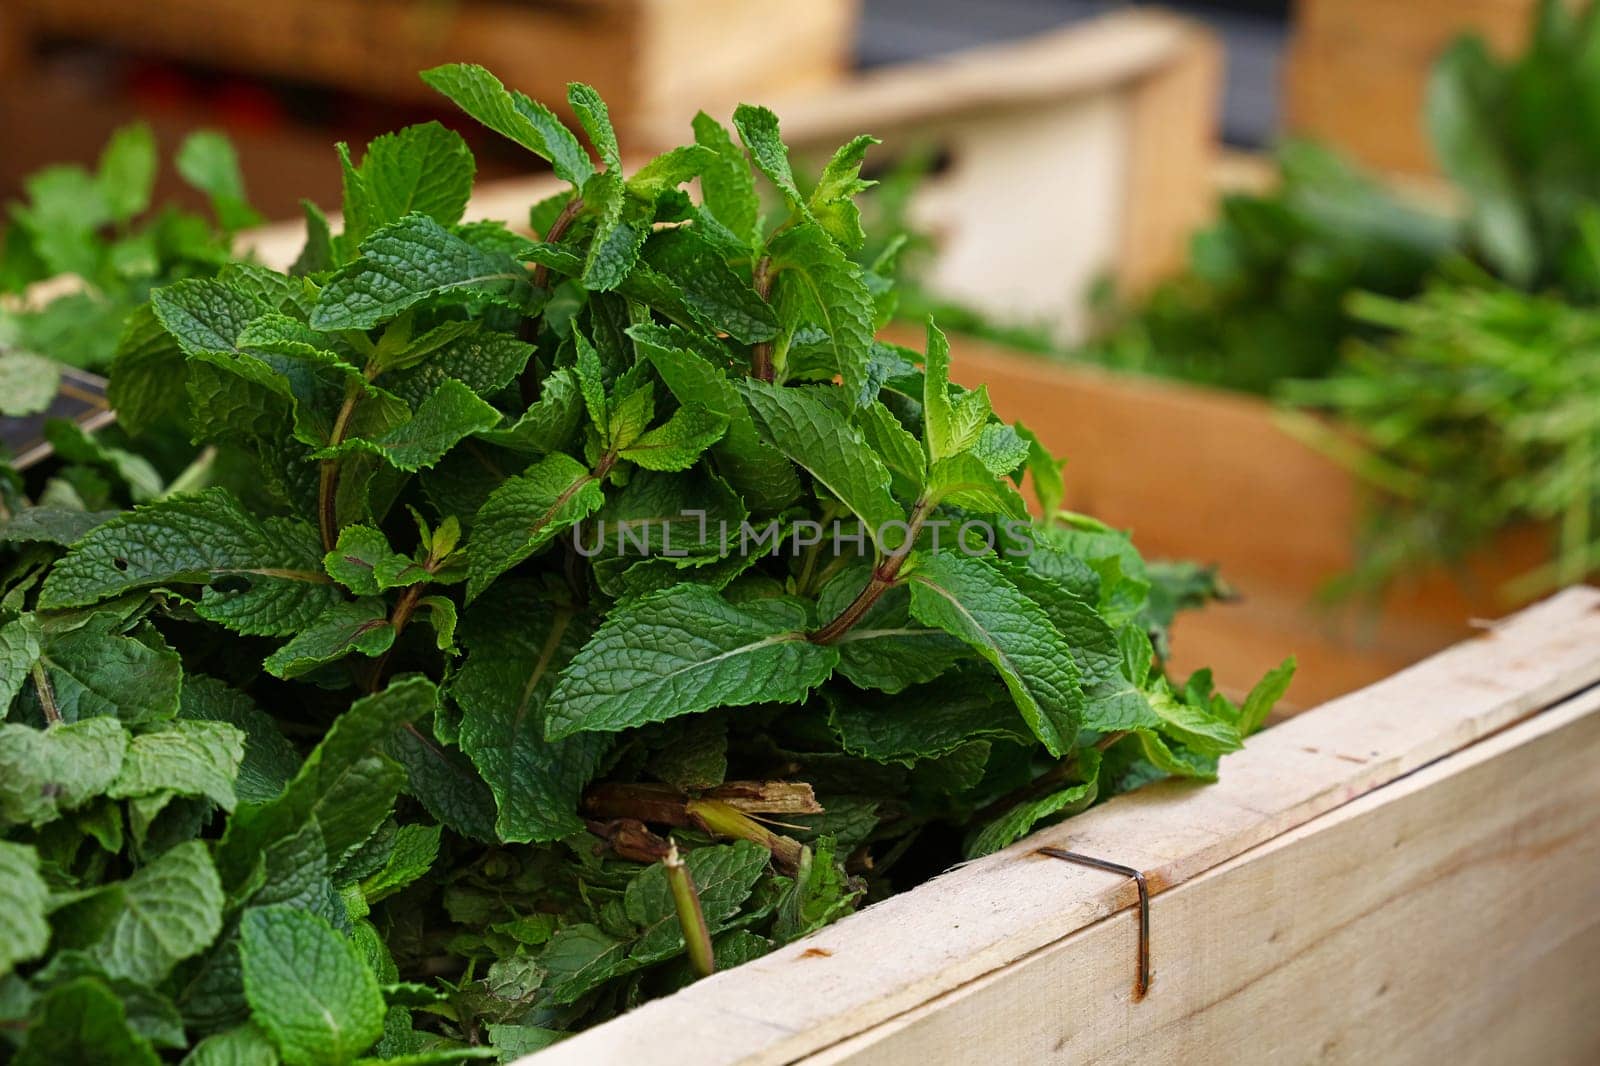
<point>1357,70</point>
<point>1403,875</point>
<point>653,60</point>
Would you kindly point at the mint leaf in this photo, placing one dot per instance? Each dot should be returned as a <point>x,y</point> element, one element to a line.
<point>269,760</point>
<point>513,116</point>
<point>453,413</point>
<point>885,650</point>
<point>758,129</point>
<point>307,988</point>
<point>187,758</point>
<point>814,283</point>
<point>578,959</point>
<point>760,472</point>
<point>28,383</point>
<point>24,932</point>
<point>1265,695</point>
<point>925,722</point>
<point>93,670</point>
<point>127,171</point>
<point>964,480</point>
<point>670,169</point>
<point>416,848</point>
<point>363,562</point>
<point>244,1046</point>
<point>526,513</point>
<point>726,183</point>
<point>682,651</point>
<point>46,771</point>
<point>718,298</point>
<point>82,1021</point>
<point>797,420</point>
<point>1021,819</point>
<point>724,875</point>
<point>677,443</point>
<point>595,119</point>
<point>19,650</point>
<point>503,691</point>
<point>833,203</point>
<point>208,162</point>
<point>969,598</point>
<point>274,562</point>
<point>407,262</point>
<point>424,168</point>
<point>360,626</point>
<point>171,910</point>
<point>953,425</point>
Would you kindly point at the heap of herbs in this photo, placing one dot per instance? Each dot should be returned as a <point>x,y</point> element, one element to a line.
<point>549,622</point>
<point>100,228</point>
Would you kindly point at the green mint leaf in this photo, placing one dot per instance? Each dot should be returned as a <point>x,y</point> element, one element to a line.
<point>359,626</point>
<point>1001,448</point>
<point>897,446</point>
<point>952,426</point>
<point>82,1021</point>
<point>926,722</point>
<point>445,782</point>
<point>833,202</point>
<point>244,1046</point>
<point>723,874</point>
<point>718,298</point>
<point>363,562</point>
<point>46,771</point>
<point>970,599</point>
<point>482,360</point>
<point>62,526</point>
<point>527,512</point>
<point>503,690</point>
<point>93,670</point>
<point>885,650</point>
<point>188,758</point>
<point>1195,727</point>
<point>407,262</point>
<point>171,910</point>
<point>726,183</point>
<point>813,433</point>
<point>317,255</point>
<point>24,932</point>
<point>682,651</point>
<point>580,958</point>
<point>19,650</point>
<point>1049,488</point>
<point>28,383</point>
<point>207,161</point>
<point>201,539</point>
<point>307,987</point>
<point>416,848</point>
<point>678,442</point>
<point>147,365</point>
<point>623,226</point>
<point>758,471</point>
<point>1021,819</point>
<point>669,170</point>
<point>127,171</point>
<point>964,480</point>
<point>453,413</point>
<point>269,761</point>
<point>515,117</point>
<point>346,783</point>
<point>814,282</point>
<point>1265,695</point>
<point>424,168</point>
<point>549,424</point>
<point>595,118</point>
<point>758,129</point>
<point>821,893</point>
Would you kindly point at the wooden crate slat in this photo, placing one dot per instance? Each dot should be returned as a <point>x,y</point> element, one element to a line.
<point>1450,916</point>
<point>909,949</point>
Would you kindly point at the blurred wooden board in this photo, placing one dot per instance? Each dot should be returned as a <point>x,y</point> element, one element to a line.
<point>1357,70</point>
<point>653,60</point>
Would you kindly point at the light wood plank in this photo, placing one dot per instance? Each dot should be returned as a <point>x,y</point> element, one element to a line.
<point>1452,916</point>
<point>907,950</point>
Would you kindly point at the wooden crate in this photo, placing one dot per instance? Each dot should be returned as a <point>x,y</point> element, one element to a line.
<point>1101,135</point>
<point>653,60</point>
<point>1402,875</point>
<point>1213,476</point>
<point>1357,70</point>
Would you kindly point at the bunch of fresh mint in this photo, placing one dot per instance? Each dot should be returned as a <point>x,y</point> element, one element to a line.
<point>100,227</point>
<point>563,619</point>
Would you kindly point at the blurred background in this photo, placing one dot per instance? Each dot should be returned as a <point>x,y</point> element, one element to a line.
<point>1302,288</point>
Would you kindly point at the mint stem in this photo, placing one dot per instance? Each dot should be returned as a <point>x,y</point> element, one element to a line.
<point>528,382</point>
<point>328,475</point>
<point>691,916</point>
<point>47,696</point>
<point>882,580</point>
<point>761,354</point>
